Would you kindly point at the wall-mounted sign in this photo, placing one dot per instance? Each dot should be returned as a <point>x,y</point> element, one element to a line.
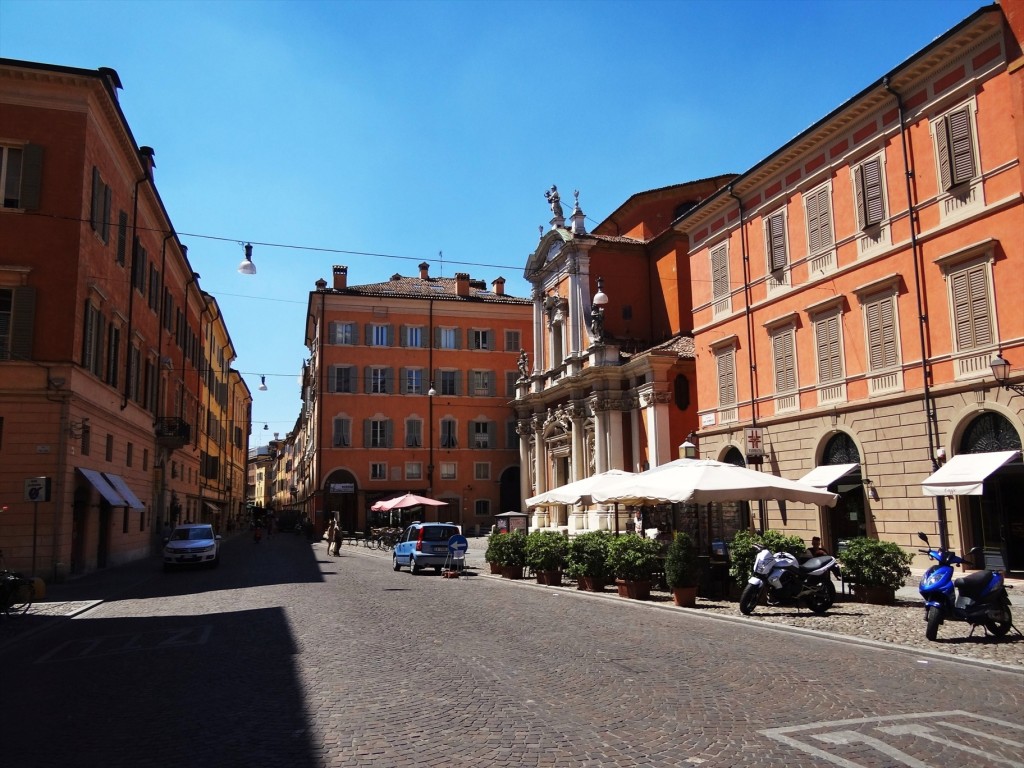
<point>37,489</point>
<point>341,488</point>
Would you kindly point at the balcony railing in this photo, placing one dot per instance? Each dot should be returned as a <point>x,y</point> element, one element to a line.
<point>172,432</point>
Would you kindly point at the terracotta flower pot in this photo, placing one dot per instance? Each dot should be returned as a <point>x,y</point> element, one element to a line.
<point>495,567</point>
<point>684,597</point>
<point>874,595</point>
<point>512,571</point>
<point>591,584</point>
<point>634,590</point>
<point>550,578</point>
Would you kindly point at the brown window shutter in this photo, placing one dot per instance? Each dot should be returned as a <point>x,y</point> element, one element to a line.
<point>23,319</point>
<point>961,146</point>
<point>31,176</point>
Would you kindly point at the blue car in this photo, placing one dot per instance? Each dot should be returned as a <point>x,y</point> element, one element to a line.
<point>424,545</point>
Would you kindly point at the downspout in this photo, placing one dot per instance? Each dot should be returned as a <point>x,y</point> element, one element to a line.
<point>321,390</point>
<point>762,509</point>
<point>131,290</point>
<point>931,417</point>
<point>430,398</point>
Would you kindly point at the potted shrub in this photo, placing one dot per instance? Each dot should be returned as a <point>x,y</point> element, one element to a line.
<point>587,560</point>
<point>492,555</point>
<point>875,568</point>
<point>545,554</point>
<point>632,559</point>
<point>512,554</point>
<point>681,572</point>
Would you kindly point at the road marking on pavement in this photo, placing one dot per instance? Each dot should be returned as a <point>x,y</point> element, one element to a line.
<point>898,732</point>
<point>112,645</point>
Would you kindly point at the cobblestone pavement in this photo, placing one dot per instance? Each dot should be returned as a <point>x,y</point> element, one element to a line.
<point>286,656</point>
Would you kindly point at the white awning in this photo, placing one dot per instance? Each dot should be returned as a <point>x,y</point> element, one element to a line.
<point>99,482</point>
<point>965,473</point>
<point>826,474</point>
<point>212,507</point>
<point>122,488</point>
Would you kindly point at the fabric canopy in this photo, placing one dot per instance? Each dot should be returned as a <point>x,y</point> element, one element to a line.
<point>700,481</point>
<point>826,474</point>
<point>126,493</point>
<point>965,473</point>
<point>406,500</point>
<point>107,491</point>
<point>576,491</point>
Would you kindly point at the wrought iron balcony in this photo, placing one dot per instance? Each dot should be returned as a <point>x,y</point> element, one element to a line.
<point>172,432</point>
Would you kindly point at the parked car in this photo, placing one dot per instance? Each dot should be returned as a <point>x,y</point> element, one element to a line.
<point>424,545</point>
<point>192,544</point>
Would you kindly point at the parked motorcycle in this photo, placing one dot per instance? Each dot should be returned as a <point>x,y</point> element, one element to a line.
<point>982,599</point>
<point>789,581</point>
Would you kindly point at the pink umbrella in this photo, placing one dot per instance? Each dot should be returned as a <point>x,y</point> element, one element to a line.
<point>406,500</point>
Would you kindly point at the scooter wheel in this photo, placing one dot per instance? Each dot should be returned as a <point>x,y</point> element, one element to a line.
<point>934,618</point>
<point>1002,626</point>
<point>749,598</point>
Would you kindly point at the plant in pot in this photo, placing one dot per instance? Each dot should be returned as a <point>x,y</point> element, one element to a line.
<point>875,568</point>
<point>587,560</point>
<point>681,571</point>
<point>512,554</point>
<point>492,555</point>
<point>545,554</point>
<point>631,560</point>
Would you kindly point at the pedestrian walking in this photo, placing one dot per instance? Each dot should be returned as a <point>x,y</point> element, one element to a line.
<point>329,536</point>
<point>339,537</point>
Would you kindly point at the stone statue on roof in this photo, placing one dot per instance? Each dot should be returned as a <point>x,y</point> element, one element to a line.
<point>554,201</point>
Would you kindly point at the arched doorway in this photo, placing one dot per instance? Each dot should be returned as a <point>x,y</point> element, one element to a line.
<point>848,518</point>
<point>340,500</point>
<point>995,518</point>
<point>508,491</point>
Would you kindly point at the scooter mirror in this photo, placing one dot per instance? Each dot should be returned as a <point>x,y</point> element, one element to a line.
<point>922,537</point>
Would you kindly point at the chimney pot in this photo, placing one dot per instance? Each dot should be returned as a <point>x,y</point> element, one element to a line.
<point>499,286</point>
<point>462,283</point>
<point>424,271</point>
<point>340,277</point>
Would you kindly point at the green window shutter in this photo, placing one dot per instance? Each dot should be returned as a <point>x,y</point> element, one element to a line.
<point>389,434</point>
<point>31,176</point>
<point>368,380</point>
<point>23,317</point>
<point>389,380</point>
<point>492,381</point>
<point>366,433</point>
<point>368,334</point>
<point>458,338</point>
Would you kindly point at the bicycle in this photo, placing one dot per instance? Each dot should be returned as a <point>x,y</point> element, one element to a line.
<point>16,593</point>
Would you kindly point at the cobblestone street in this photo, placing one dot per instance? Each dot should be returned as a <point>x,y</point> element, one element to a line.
<point>286,656</point>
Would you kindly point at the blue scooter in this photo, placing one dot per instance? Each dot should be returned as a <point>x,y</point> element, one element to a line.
<point>979,599</point>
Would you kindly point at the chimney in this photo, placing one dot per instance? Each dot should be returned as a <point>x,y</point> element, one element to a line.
<point>340,277</point>
<point>498,285</point>
<point>148,163</point>
<point>424,271</point>
<point>462,283</point>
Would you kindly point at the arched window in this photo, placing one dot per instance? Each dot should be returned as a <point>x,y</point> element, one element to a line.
<point>840,449</point>
<point>988,433</point>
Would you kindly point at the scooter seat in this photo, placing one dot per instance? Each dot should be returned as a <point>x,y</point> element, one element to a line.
<point>973,584</point>
<point>809,566</point>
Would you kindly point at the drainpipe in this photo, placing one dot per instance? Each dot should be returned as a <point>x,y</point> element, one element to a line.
<point>931,415</point>
<point>430,399</point>
<point>762,509</point>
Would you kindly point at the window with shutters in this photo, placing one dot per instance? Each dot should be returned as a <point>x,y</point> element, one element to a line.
<point>92,339</point>
<point>414,336</point>
<point>379,336</point>
<point>511,377</point>
<point>973,319</point>
<point>379,378</point>
<point>481,470</point>
<point>957,159</point>
<point>776,251</point>
<point>828,345</point>
<point>820,238</point>
<point>414,433</point>
<point>378,470</point>
<point>341,436</point>
<point>413,470</point>
<point>881,334</point>
<point>725,363</point>
<point>17,315</point>
<point>99,208</point>
<point>412,381</point>
<point>480,433</point>
<point>483,383</point>
<point>20,175</point>
<point>449,470</point>
<point>343,378</point>
<point>784,356</point>
<point>448,338</point>
<point>482,507</point>
<point>870,192</point>
<point>342,333</point>
<point>449,382</point>
<point>449,433</point>
<point>113,354</point>
<point>480,339</point>
<point>512,341</point>
<point>378,433</point>
<point>720,280</point>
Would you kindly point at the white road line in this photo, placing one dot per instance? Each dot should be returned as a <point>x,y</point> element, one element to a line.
<point>924,732</point>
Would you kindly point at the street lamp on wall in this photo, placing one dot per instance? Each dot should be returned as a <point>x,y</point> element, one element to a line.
<point>688,449</point>
<point>1001,372</point>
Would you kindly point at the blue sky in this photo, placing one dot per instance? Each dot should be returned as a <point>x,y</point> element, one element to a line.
<point>327,131</point>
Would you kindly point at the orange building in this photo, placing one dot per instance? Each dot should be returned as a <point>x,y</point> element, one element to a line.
<point>851,290</point>
<point>407,389</point>
<point>612,382</point>
<point>107,373</point>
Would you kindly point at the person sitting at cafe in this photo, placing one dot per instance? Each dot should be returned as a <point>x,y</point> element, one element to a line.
<point>816,550</point>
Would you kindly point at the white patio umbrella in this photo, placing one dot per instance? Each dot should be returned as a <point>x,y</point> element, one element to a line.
<point>577,491</point>
<point>701,481</point>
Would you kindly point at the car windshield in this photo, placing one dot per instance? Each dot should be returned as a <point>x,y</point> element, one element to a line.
<point>184,534</point>
<point>439,532</point>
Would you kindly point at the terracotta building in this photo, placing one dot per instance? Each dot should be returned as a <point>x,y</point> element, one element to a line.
<point>407,390</point>
<point>612,381</point>
<point>118,407</point>
<point>853,290</point>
